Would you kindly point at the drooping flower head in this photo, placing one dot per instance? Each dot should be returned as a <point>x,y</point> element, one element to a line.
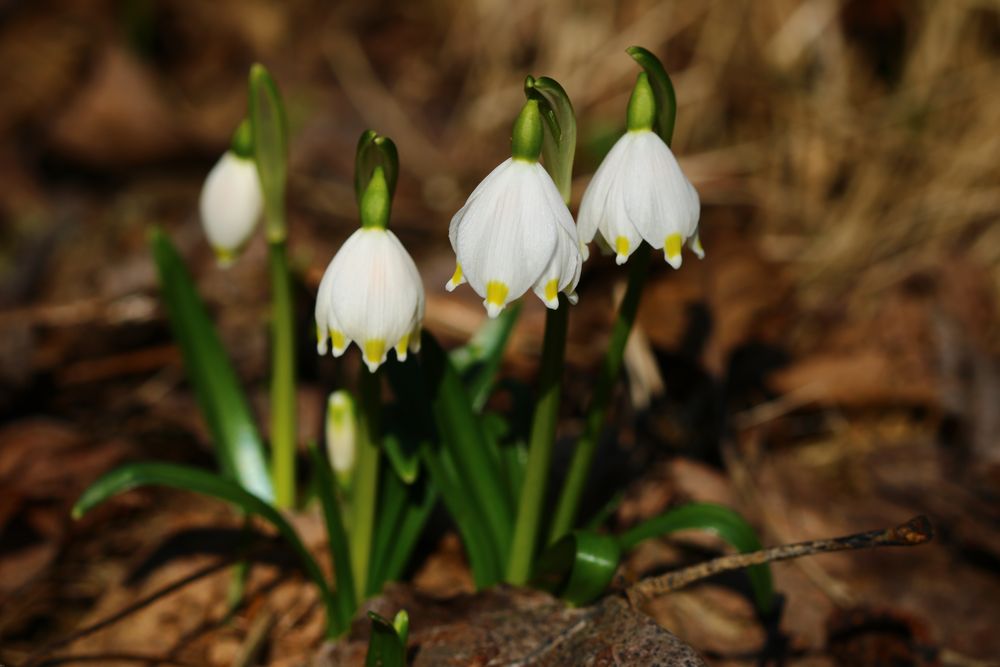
<point>514,231</point>
<point>231,199</point>
<point>371,292</point>
<point>639,192</point>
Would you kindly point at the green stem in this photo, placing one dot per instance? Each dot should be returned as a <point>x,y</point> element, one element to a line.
<point>583,456</point>
<point>365,488</point>
<point>283,425</point>
<point>543,432</point>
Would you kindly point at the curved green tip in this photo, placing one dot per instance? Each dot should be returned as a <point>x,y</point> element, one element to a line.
<point>663,90</point>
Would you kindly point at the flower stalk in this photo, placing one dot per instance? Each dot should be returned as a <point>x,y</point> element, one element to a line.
<point>364,493</point>
<point>550,102</point>
<point>652,108</point>
<point>270,143</point>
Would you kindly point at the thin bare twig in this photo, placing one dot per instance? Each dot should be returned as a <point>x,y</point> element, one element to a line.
<point>917,530</point>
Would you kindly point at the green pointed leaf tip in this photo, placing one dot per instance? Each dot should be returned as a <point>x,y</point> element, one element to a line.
<point>402,624</point>
<point>663,91</point>
<point>526,138</point>
<point>385,646</point>
<point>375,150</point>
<point>270,141</point>
<point>225,408</point>
<point>559,144</point>
<point>376,202</point>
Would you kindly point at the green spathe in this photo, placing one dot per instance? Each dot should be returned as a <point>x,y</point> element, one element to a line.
<point>526,142</point>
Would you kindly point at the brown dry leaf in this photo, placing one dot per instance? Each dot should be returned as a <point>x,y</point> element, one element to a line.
<point>515,626</point>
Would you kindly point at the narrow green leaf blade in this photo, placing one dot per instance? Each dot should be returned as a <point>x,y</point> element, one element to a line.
<point>462,435</point>
<point>402,450</point>
<point>402,512</point>
<point>238,445</point>
<point>335,534</point>
<point>479,361</point>
<point>385,646</point>
<point>718,519</point>
<point>199,481</point>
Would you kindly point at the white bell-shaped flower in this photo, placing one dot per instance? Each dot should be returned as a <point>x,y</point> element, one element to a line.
<point>371,293</point>
<point>639,193</point>
<point>515,232</point>
<point>231,199</point>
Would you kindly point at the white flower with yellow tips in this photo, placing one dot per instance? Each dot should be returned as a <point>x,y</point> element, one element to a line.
<point>515,233</point>
<point>371,294</point>
<point>639,192</point>
<point>231,200</point>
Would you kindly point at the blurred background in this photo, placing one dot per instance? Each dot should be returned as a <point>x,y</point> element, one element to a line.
<point>833,365</point>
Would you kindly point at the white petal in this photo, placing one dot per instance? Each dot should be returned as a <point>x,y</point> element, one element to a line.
<point>593,206</point>
<point>374,297</point>
<point>230,203</point>
<point>507,234</point>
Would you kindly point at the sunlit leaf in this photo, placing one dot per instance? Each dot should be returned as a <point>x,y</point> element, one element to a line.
<point>238,446</point>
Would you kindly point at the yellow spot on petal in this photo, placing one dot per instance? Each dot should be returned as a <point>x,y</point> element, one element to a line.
<point>374,350</point>
<point>496,292</point>
<point>552,290</point>
<point>224,256</point>
<point>402,346</point>
<point>621,245</point>
<point>456,277</point>
<point>338,338</point>
<point>672,245</point>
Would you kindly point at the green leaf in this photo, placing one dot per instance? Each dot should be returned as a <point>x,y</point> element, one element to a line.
<point>479,361</point>
<point>463,437</point>
<point>192,479</point>
<point>385,646</point>
<point>663,90</point>
<point>402,448</point>
<point>340,554</point>
<point>238,445</point>
<point>270,141</point>
<point>409,386</point>
<point>402,513</point>
<point>559,144</point>
<point>578,567</point>
<point>375,150</point>
<point>722,521</point>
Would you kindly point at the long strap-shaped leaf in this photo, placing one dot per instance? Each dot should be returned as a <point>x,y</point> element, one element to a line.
<point>238,445</point>
<point>335,534</point>
<point>192,479</point>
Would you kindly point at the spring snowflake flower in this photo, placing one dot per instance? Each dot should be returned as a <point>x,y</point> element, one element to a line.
<point>371,293</point>
<point>515,232</point>
<point>231,200</point>
<point>639,192</point>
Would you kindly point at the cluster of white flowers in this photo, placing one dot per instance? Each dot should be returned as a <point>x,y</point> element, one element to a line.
<point>514,233</point>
